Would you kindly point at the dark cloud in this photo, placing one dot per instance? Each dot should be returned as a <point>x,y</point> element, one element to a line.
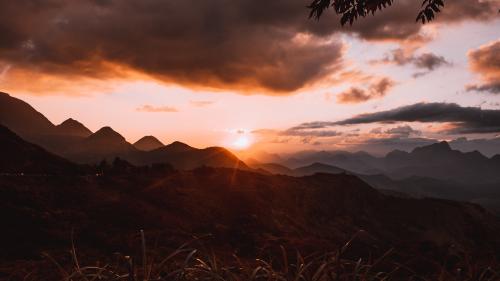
<point>376,90</point>
<point>397,22</point>
<point>297,132</point>
<point>243,44</point>
<point>227,44</point>
<point>151,108</point>
<point>485,61</point>
<point>427,61</point>
<point>402,131</point>
<point>466,120</point>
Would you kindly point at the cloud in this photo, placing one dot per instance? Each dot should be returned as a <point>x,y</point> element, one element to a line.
<point>266,47</point>
<point>464,120</point>
<point>221,44</point>
<point>399,131</point>
<point>201,103</point>
<point>397,22</point>
<point>376,90</point>
<point>485,61</point>
<point>310,133</point>
<point>430,61</point>
<point>150,108</point>
<point>427,61</point>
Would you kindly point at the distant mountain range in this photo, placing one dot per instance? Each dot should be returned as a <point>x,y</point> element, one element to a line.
<point>72,140</point>
<point>435,170</point>
<point>430,171</point>
<point>278,169</point>
<point>437,161</point>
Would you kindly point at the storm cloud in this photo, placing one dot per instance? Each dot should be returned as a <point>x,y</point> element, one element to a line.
<point>246,45</point>
<point>466,120</point>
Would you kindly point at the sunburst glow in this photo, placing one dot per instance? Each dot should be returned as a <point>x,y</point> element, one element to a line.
<point>242,142</point>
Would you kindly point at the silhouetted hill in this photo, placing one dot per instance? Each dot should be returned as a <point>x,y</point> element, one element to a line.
<point>185,157</point>
<point>22,118</point>
<point>317,168</point>
<point>103,144</point>
<point>148,143</point>
<point>242,210</point>
<point>360,162</point>
<point>272,168</point>
<point>31,125</point>
<point>19,156</point>
<point>72,127</point>
<point>485,194</point>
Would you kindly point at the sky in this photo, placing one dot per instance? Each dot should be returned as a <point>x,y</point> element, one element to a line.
<point>259,75</point>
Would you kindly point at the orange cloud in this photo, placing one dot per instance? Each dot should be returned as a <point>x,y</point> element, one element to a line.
<point>375,90</point>
<point>485,61</point>
<point>151,108</point>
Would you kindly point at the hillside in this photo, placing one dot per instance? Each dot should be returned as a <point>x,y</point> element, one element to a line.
<point>22,118</point>
<point>241,210</point>
<point>19,156</point>
<point>185,157</point>
<point>148,143</point>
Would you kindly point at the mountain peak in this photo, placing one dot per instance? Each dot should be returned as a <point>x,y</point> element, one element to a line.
<point>178,146</point>
<point>106,133</point>
<point>148,143</point>
<point>72,127</point>
<point>443,146</point>
<point>22,118</point>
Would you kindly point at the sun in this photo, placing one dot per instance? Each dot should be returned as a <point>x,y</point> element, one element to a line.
<point>242,142</point>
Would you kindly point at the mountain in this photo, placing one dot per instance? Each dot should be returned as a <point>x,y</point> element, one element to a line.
<point>485,194</point>
<point>33,126</point>
<point>272,168</point>
<point>317,168</point>
<point>22,118</point>
<point>103,144</point>
<point>19,156</point>
<point>148,143</point>
<point>185,157</point>
<point>71,127</point>
<point>439,161</point>
<point>360,162</point>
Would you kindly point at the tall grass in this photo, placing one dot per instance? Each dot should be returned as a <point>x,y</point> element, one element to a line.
<point>190,263</point>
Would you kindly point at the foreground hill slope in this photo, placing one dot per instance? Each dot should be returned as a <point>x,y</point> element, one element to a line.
<point>242,210</point>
